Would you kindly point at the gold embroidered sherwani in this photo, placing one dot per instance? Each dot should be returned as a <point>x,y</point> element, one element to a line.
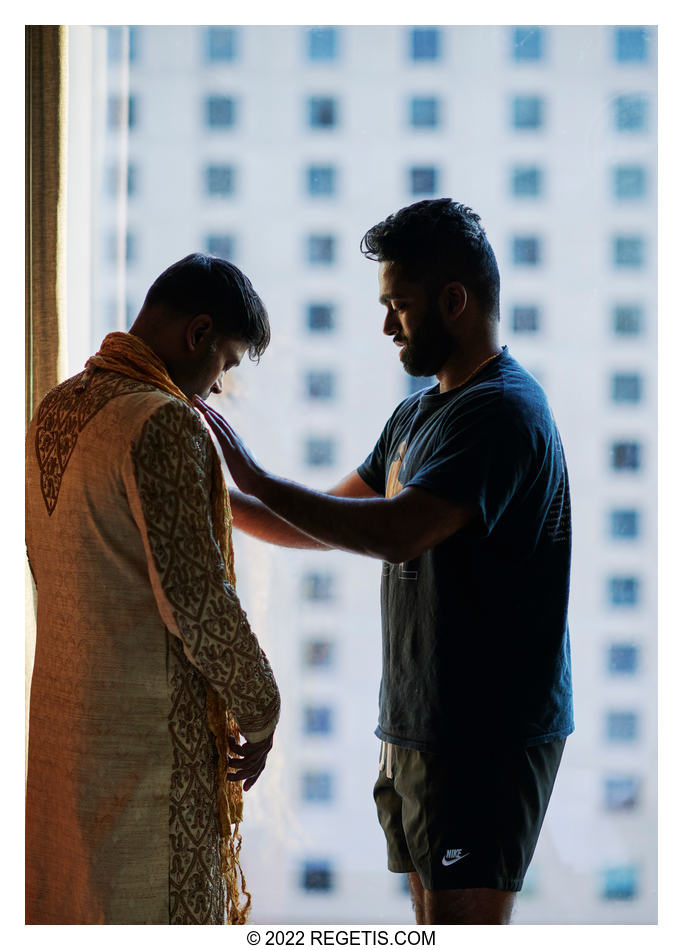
<point>134,618</point>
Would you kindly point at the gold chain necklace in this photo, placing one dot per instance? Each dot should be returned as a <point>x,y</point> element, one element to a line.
<point>476,370</point>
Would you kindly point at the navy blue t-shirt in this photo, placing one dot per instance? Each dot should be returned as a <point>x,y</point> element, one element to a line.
<point>475,635</point>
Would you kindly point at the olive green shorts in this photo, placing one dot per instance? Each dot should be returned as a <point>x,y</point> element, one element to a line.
<point>467,819</point>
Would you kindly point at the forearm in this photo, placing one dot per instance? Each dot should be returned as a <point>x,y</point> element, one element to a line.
<point>254,518</point>
<point>357,525</point>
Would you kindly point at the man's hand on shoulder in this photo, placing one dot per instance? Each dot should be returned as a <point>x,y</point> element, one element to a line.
<point>249,760</point>
<point>244,468</point>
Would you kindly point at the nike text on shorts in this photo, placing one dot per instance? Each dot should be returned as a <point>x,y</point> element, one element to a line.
<point>467,819</point>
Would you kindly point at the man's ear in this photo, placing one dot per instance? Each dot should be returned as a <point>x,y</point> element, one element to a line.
<point>197,331</point>
<point>454,299</point>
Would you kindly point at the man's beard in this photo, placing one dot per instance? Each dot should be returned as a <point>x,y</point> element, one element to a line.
<point>429,347</point>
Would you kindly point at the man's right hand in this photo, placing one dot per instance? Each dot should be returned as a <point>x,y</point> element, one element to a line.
<point>251,760</point>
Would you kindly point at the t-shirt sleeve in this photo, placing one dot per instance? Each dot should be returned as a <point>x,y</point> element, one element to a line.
<point>481,456</point>
<point>167,482</point>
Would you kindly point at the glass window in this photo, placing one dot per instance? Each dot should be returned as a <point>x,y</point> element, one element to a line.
<point>624,523</point>
<point>221,245</point>
<point>320,249</point>
<point>220,112</point>
<point>630,44</point>
<point>321,180</point>
<point>629,181</point>
<point>322,44</point>
<point>219,179</point>
<point>424,112</point>
<point>320,384</point>
<point>526,319</point>
<point>628,251</point>
<point>320,317</point>
<point>631,113</point>
<point>622,726</point>
<point>624,591</point>
<point>621,792</point>
<point>320,452</point>
<point>317,876</point>
<point>626,455</point>
<point>627,319</point>
<point>423,180</point>
<point>112,180</point>
<point>221,44</point>
<point>526,251</point>
<point>627,387</point>
<point>317,787</point>
<point>318,586</point>
<point>319,654</point>
<point>527,43</point>
<point>115,108</point>
<point>115,38</point>
<point>620,884</point>
<point>424,43</point>
<point>317,720</point>
<point>527,112</point>
<point>527,181</point>
<point>622,658</point>
<point>322,112</point>
<point>112,247</point>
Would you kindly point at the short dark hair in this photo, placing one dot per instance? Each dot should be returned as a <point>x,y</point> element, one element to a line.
<point>438,240</point>
<point>200,283</point>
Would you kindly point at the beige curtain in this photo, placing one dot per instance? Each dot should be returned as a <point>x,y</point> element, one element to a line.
<point>45,240</point>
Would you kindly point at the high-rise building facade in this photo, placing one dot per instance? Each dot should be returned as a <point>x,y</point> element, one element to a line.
<point>277,147</point>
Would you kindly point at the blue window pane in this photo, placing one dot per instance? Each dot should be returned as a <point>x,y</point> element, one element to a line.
<point>424,43</point>
<point>221,44</point>
<point>316,787</point>
<point>622,658</point>
<point>627,319</point>
<point>322,44</point>
<point>317,720</point>
<point>320,385</point>
<point>629,181</point>
<point>322,112</point>
<point>526,181</point>
<point>525,319</point>
<point>220,112</point>
<point>221,245</point>
<point>116,107</point>
<point>621,793</point>
<point>424,112</point>
<point>630,44</point>
<point>526,251</point>
<point>220,179</point>
<point>527,112</point>
<point>624,591</point>
<point>423,181</point>
<point>627,387</point>
<point>319,587</point>
<point>320,452</point>
<point>630,113</point>
<point>317,876</point>
<point>527,43</point>
<point>319,654</point>
<point>115,43</point>
<point>321,248</point>
<point>620,884</point>
<point>321,180</point>
<point>622,726</point>
<point>626,455</point>
<point>628,251</point>
<point>624,523</point>
<point>320,317</point>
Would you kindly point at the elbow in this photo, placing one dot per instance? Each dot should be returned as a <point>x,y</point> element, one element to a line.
<point>399,551</point>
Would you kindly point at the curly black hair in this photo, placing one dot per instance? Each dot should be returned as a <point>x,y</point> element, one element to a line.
<point>438,240</point>
<point>200,283</point>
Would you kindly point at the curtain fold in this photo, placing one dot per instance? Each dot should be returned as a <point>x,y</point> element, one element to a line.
<point>46,73</point>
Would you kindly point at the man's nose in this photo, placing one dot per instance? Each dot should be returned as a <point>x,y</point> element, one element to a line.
<point>390,324</point>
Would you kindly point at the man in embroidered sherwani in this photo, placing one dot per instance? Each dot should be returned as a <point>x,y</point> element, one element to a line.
<point>146,670</point>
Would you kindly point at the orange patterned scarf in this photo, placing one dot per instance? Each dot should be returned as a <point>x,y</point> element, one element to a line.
<point>127,354</point>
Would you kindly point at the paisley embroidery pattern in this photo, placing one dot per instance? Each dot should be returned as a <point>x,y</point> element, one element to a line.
<point>62,416</point>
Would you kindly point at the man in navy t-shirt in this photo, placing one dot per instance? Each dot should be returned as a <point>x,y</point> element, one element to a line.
<point>465,498</point>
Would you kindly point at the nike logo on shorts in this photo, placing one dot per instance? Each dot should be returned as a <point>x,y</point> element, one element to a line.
<point>453,855</point>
